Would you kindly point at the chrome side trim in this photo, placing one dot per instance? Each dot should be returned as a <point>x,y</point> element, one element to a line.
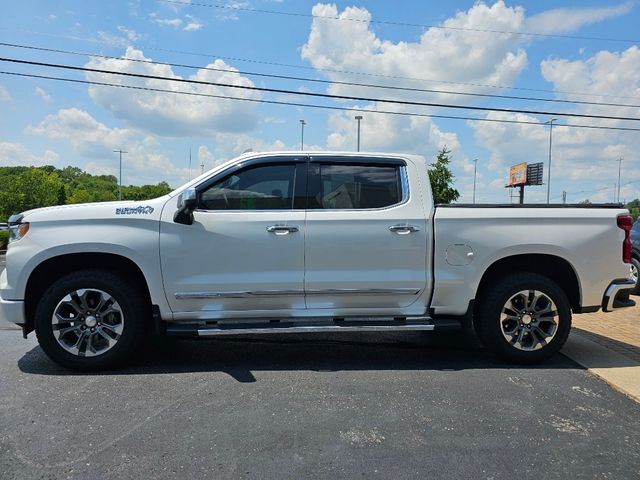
<point>208,332</point>
<point>612,292</point>
<point>289,293</point>
<point>366,291</point>
<point>256,293</point>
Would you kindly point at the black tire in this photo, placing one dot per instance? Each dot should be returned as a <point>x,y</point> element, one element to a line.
<point>489,326</point>
<point>132,305</point>
<point>636,263</point>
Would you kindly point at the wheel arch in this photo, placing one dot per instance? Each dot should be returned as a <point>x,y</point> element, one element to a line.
<point>551,266</point>
<point>56,267</point>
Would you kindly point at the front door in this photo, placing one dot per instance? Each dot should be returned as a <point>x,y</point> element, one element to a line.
<point>244,251</point>
<point>367,236</point>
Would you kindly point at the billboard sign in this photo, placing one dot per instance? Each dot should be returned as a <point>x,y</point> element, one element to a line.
<point>534,173</point>
<point>517,174</point>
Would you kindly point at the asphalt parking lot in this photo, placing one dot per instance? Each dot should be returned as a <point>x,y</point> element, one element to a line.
<point>336,406</point>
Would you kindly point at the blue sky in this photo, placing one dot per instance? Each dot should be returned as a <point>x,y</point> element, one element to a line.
<point>50,122</point>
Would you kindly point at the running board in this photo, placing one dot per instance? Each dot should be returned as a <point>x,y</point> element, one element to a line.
<point>252,327</point>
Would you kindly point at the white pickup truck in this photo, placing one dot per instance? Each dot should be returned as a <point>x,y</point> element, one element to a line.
<point>309,242</point>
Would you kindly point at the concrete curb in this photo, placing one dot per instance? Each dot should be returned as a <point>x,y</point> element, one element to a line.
<point>621,372</point>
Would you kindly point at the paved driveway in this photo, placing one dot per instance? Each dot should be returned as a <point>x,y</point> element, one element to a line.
<point>332,406</point>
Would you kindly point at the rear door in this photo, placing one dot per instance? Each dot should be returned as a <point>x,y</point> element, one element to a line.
<point>366,235</point>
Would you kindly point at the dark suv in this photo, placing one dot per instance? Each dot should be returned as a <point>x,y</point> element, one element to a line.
<point>635,255</point>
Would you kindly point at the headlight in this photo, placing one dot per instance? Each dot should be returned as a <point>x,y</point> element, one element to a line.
<point>16,232</point>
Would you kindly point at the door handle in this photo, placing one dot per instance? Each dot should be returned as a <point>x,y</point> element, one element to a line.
<point>404,229</point>
<point>281,229</point>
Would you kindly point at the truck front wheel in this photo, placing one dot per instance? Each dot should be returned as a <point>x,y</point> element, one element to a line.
<point>524,318</point>
<point>90,320</point>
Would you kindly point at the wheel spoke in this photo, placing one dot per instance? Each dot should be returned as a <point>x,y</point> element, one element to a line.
<point>107,337</point>
<point>63,331</point>
<point>77,302</point>
<point>542,335</point>
<point>89,346</point>
<point>116,330</point>
<point>105,306</point>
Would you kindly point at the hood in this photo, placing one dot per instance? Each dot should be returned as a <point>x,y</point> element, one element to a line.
<point>102,210</point>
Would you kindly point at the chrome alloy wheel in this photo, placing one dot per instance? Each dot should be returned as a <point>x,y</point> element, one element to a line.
<point>87,322</point>
<point>528,320</point>
<point>633,274</point>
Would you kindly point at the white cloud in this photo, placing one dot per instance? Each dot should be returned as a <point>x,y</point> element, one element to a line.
<point>205,157</point>
<point>467,56</point>
<point>603,75</point>
<point>40,92</point>
<point>193,24</point>
<point>379,132</point>
<point>16,154</point>
<point>229,145</point>
<point>131,35</point>
<point>567,20</point>
<point>170,114</point>
<point>228,14</point>
<point>95,141</point>
<point>86,135</point>
<point>5,96</point>
<point>165,22</point>
<point>112,40</point>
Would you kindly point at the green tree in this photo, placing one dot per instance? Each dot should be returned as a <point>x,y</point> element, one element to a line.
<point>30,188</point>
<point>634,207</point>
<point>442,179</point>
<point>24,188</point>
<point>145,192</point>
<point>80,195</point>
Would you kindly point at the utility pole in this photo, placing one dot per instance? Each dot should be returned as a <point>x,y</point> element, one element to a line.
<point>475,170</point>
<point>302,124</point>
<point>120,151</point>
<point>564,197</point>
<point>358,118</point>
<point>550,122</point>
<point>619,169</point>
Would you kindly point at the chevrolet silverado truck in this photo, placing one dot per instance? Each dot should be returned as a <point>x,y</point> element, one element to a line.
<point>309,242</point>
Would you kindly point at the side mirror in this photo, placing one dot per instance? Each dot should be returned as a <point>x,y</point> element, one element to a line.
<point>187,202</point>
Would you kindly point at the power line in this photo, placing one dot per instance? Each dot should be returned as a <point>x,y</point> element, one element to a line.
<point>595,190</point>
<point>310,105</point>
<point>236,7</point>
<point>319,95</point>
<point>315,80</point>
<point>330,70</point>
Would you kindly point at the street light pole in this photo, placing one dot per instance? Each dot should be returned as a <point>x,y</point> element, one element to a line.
<point>120,151</point>
<point>475,170</point>
<point>619,169</point>
<point>550,122</point>
<point>302,124</point>
<point>358,118</point>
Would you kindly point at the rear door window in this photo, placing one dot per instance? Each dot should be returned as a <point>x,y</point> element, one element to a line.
<point>355,186</point>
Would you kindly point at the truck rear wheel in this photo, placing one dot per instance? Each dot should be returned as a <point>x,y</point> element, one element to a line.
<point>635,275</point>
<point>524,318</point>
<point>90,320</point>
